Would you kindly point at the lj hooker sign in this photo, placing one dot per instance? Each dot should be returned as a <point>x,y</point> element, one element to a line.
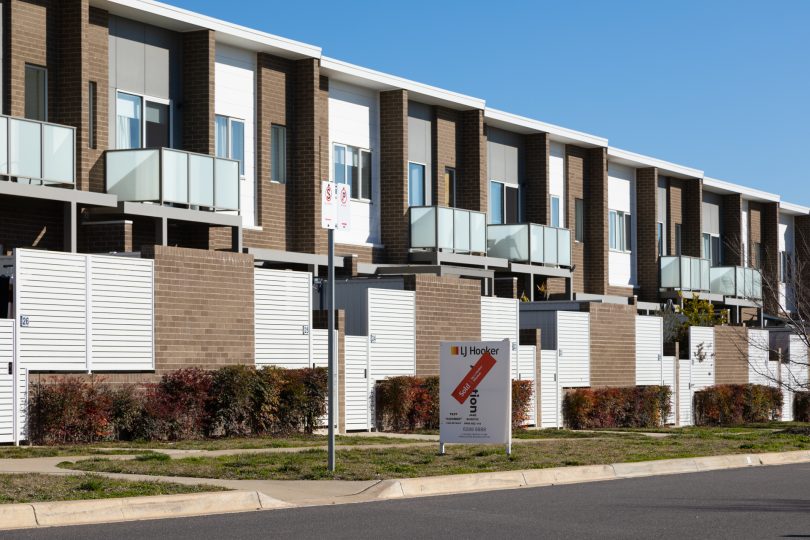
<point>475,403</point>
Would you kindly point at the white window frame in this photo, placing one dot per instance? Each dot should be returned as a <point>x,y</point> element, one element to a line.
<point>360,151</point>
<point>518,210</point>
<point>558,199</point>
<point>144,98</point>
<point>618,220</point>
<point>452,193</point>
<point>229,142</point>
<point>708,256</point>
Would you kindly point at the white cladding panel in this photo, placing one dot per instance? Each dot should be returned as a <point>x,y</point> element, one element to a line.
<point>283,317</point>
<point>357,391</point>
<point>669,364</point>
<point>649,350</point>
<point>234,96</point>
<point>744,233</point>
<point>556,181</point>
<point>122,313</point>
<point>549,390</point>
<point>621,197</point>
<point>526,372</point>
<point>354,121</point>
<point>787,296</point>
<point>392,333</point>
<point>51,292</point>
<point>759,367</point>
<point>22,404</point>
<point>320,347</point>
<point>500,320</point>
<point>685,392</point>
<point>573,349</point>
<point>6,381</point>
<point>701,345</point>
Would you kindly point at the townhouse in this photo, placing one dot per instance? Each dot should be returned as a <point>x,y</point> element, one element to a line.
<point>136,128</point>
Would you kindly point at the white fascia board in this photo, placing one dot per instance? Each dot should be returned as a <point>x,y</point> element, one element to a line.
<point>178,19</point>
<point>793,209</point>
<point>380,81</point>
<point>748,193</point>
<point>521,124</point>
<point>638,160</point>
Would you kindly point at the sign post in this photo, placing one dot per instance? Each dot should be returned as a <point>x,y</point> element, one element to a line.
<point>475,393</point>
<point>335,214</point>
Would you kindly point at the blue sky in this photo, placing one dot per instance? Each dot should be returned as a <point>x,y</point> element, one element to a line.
<point>718,85</point>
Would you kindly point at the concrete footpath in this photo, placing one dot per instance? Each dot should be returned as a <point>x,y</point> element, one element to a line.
<point>252,495</point>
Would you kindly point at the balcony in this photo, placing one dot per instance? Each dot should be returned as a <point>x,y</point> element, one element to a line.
<point>685,274</point>
<point>164,175</point>
<point>737,282</point>
<point>38,152</point>
<point>439,228</point>
<point>530,243</point>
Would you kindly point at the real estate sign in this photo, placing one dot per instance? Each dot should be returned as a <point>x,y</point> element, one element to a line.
<point>475,393</point>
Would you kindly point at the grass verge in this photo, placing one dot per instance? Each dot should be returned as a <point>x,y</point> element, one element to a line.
<point>368,464</point>
<point>28,488</point>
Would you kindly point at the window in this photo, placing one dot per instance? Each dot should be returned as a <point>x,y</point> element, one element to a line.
<point>620,227</point>
<point>36,93</point>
<point>352,166</point>
<point>416,184</point>
<point>555,211</point>
<point>758,255</point>
<point>450,186</point>
<point>711,248</point>
<point>229,140</point>
<point>678,239</point>
<point>579,220</point>
<point>141,122</point>
<point>783,266</point>
<point>91,114</point>
<point>659,231</point>
<point>504,203</point>
<point>278,154</point>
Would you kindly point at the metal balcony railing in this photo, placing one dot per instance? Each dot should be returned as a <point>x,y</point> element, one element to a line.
<point>164,175</point>
<point>530,243</point>
<point>685,273</point>
<point>447,229</point>
<point>37,151</point>
<point>736,281</point>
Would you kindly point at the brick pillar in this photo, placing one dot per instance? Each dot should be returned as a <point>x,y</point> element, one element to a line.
<point>770,262</point>
<point>472,181</point>
<point>508,287</point>
<point>647,233</point>
<point>730,355</point>
<point>445,135</point>
<point>394,174</point>
<point>537,180</point>
<point>105,236</point>
<point>675,212</point>
<point>613,344</point>
<point>98,72</point>
<point>575,189</point>
<point>27,27</point>
<point>198,91</point>
<point>596,218</point>
<point>802,270</point>
<point>692,213</point>
<point>732,229</point>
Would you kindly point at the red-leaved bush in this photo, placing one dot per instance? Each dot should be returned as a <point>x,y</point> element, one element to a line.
<point>731,404</point>
<point>633,406</point>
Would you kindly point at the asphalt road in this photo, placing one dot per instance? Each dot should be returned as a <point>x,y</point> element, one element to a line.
<point>761,502</point>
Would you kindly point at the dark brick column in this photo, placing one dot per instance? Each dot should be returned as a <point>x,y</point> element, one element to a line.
<point>647,233</point>
<point>394,174</point>
<point>754,233</point>
<point>446,127</point>
<point>731,227</point>
<point>692,214</point>
<point>537,180</point>
<point>802,240</point>
<point>198,91</point>
<point>472,190</point>
<point>770,262</point>
<point>596,218</point>
<point>574,189</point>
<point>674,212</point>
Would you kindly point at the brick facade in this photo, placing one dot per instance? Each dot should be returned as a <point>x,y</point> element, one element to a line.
<point>98,57</point>
<point>595,188</point>
<point>802,241</point>
<point>647,233</point>
<point>613,344</point>
<point>472,190</point>
<point>770,262</point>
<point>447,309</point>
<point>34,223</point>
<point>575,189</point>
<point>730,355</point>
<point>692,213</point>
<point>754,233</point>
<point>731,227</point>
<point>105,236</point>
<point>199,53</point>
<point>446,127</point>
<point>537,179</point>
<point>394,174</point>
<point>203,308</point>
<point>508,287</point>
<point>674,213</point>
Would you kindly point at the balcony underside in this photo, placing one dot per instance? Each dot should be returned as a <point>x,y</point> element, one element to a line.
<point>711,297</point>
<point>434,269</point>
<point>68,195</point>
<point>157,211</point>
<point>448,257</point>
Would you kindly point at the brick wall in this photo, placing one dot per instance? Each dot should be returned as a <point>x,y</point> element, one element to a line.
<point>31,223</point>
<point>26,30</point>
<point>472,191</point>
<point>508,287</point>
<point>98,72</point>
<point>754,233</point>
<point>203,308</point>
<point>674,212</point>
<point>692,214</point>
<point>730,355</point>
<point>802,241</point>
<point>731,226</point>
<point>537,179</point>
<point>363,254</point>
<point>647,233</point>
<point>770,262</point>
<point>447,309</point>
<point>445,128</point>
<point>105,236</point>
<point>394,174</point>
<point>198,91</point>
<point>596,211</point>
<point>575,189</point>
<point>613,344</point>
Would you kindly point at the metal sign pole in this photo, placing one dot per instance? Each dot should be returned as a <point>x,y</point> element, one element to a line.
<point>331,373</point>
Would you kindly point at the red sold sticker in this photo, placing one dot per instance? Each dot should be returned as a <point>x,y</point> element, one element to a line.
<point>471,381</point>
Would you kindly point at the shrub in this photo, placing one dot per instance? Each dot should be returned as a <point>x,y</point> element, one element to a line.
<point>730,404</point>
<point>72,410</point>
<point>302,399</point>
<point>801,406</point>
<point>232,402</point>
<point>126,412</point>
<point>521,401</point>
<point>176,407</point>
<point>634,406</point>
